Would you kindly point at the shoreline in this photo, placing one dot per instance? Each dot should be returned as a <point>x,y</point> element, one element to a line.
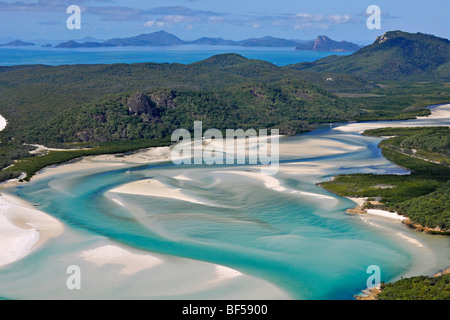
<point>23,228</point>
<point>23,221</point>
<point>359,210</point>
<point>372,293</point>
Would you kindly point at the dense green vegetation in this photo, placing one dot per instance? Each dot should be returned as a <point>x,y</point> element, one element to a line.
<point>417,288</point>
<point>424,195</point>
<point>65,105</point>
<point>396,55</point>
<point>431,143</point>
<point>287,105</point>
<point>399,100</point>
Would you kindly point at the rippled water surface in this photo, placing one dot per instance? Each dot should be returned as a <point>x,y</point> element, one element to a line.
<point>282,229</point>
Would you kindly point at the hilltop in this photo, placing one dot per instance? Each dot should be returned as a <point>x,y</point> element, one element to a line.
<point>323,43</point>
<point>396,55</point>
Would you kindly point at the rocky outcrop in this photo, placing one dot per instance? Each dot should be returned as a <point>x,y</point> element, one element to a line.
<point>323,43</point>
<point>164,98</point>
<point>141,105</point>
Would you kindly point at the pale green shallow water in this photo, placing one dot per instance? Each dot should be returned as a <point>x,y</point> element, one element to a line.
<point>305,246</point>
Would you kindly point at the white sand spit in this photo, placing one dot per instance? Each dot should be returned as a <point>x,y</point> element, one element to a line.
<point>154,188</point>
<point>131,263</point>
<point>386,214</point>
<point>23,228</point>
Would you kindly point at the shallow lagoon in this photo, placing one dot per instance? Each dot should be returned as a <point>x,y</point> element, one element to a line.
<point>235,235</point>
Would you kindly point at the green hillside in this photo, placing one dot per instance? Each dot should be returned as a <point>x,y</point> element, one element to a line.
<point>396,55</point>
<point>287,105</point>
<point>90,104</point>
<point>417,288</point>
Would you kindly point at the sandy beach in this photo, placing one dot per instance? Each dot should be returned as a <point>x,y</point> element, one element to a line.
<point>23,228</point>
<point>154,188</point>
<point>439,113</point>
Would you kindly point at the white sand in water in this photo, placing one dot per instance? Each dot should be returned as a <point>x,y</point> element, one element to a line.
<point>154,188</point>
<point>386,214</point>
<point>442,112</point>
<point>131,263</point>
<point>271,182</point>
<point>23,228</point>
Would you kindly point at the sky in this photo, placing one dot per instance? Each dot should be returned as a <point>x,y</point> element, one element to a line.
<point>31,20</point>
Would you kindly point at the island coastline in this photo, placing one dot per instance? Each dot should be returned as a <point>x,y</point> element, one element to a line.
<point>149,155</point>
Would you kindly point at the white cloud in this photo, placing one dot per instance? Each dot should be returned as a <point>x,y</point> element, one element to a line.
<point>338,19</point>
<point>170,21</point>
<point>308,17</point>
<point>215,19</point>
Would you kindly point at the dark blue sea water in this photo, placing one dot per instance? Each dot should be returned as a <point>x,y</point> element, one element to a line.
<point>177,54</point>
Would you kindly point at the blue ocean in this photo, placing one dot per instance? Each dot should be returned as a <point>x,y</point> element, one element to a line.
<point>178,54</point>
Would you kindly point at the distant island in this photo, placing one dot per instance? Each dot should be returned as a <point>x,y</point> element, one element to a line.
<point>163,38</point>
<point>323,43</point>
<point>396,55</point>
<point>17,43</point>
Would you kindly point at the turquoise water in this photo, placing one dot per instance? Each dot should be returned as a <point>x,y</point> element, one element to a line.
<point>304,245</point>
<point>180,54</point>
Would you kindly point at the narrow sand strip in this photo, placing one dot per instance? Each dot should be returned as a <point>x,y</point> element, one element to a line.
<point>131,263</point>
<point>272,183</point>
<point>154,188</point>
<point>23,228</point>
<point>386,214</point>
<point>440,113</point>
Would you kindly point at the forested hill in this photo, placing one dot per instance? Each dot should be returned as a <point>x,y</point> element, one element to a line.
<point>290,106</point>
<point>32,95</point>
<point>55,105</point>
<point>396,55</point>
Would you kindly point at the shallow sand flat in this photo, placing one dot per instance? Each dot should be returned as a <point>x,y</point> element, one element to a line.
<point>147,275</point>
<point>23,228</point>
<point>304,168</point>
<point>105,162</point>
<point>441,112</point>
<point>315,147</point>
<point>131,263</point>
<point>154,188</point>
<point>274,184</point>
<point>108,161</point>
<point>140,157</point>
